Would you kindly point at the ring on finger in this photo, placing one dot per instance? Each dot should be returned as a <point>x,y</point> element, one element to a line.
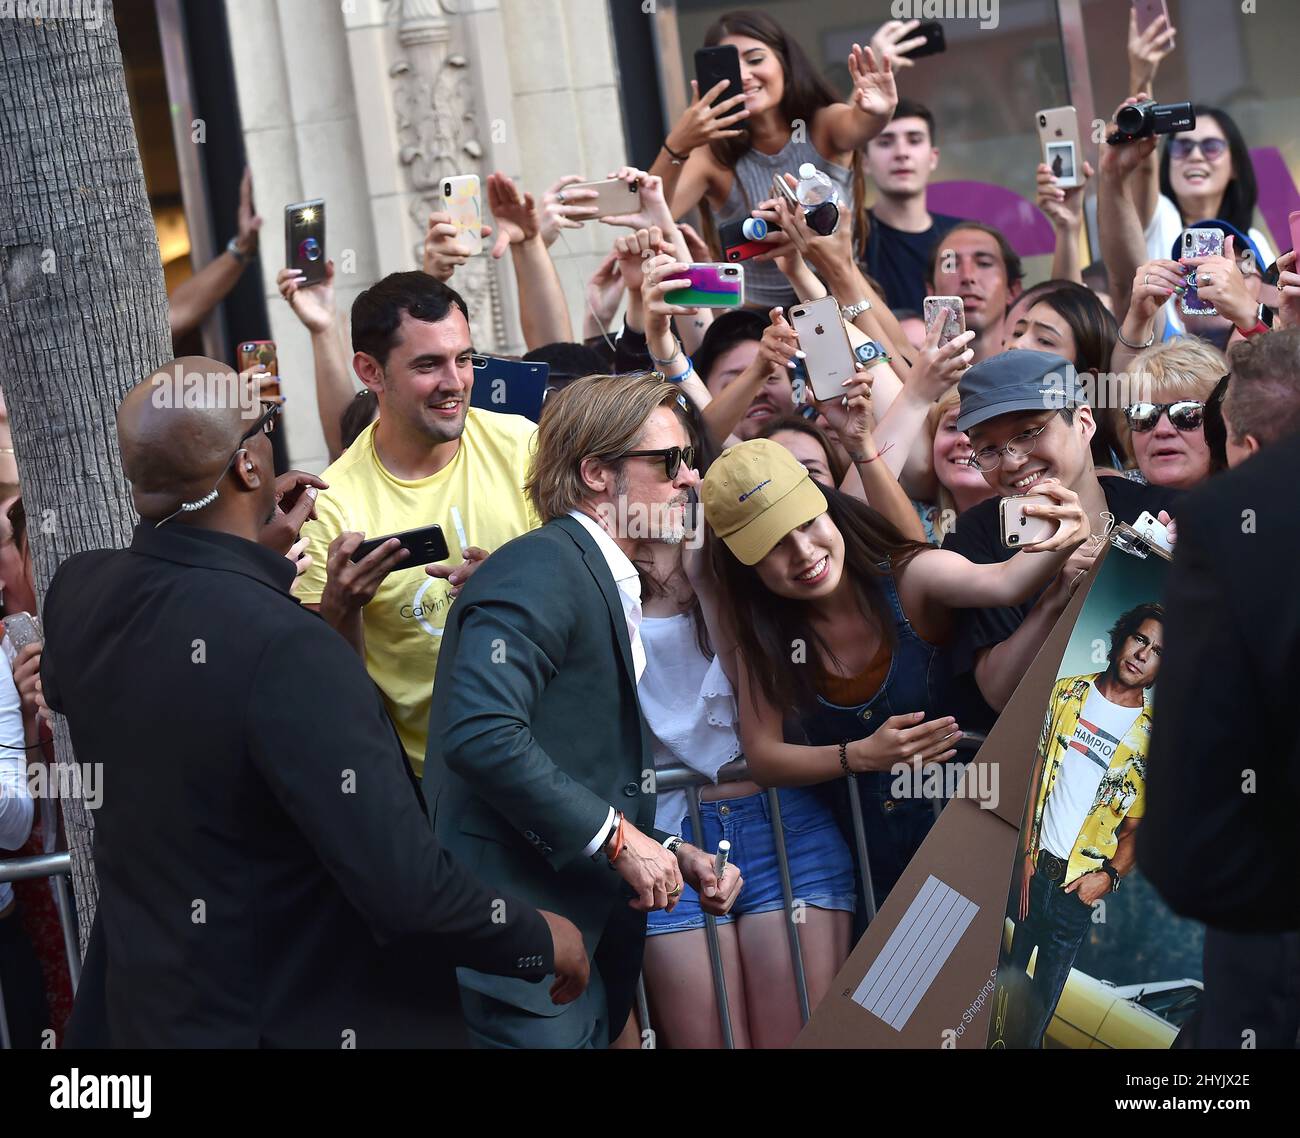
<point>559,197</point>
<point>674,892</point>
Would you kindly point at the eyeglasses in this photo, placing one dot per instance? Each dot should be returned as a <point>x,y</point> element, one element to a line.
<point>1180,149</point>
<point>673,458</point>
<point>1021,446</point>
<point>266,424</point>
<point>1186,415</point>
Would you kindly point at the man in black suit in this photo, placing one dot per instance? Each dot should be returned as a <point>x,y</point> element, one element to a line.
<point>539,771</point>
<point>1223,780</point>
<point>266,874</point>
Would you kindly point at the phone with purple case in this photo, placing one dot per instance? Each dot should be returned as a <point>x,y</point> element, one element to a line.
<point>712,286</point>
<point>1199,243</point>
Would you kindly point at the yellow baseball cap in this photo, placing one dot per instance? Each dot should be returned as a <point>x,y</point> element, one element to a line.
<point>754,494</point>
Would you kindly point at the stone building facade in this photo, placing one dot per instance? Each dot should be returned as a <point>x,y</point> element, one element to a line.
<point>369,103</point>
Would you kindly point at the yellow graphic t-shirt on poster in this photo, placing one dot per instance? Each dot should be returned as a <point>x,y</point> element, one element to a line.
<point>403,623</point>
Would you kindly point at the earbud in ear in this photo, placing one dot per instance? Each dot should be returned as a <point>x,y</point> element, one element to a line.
<point>248,466</point>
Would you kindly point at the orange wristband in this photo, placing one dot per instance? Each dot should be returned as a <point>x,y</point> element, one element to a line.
<point>620,840</point>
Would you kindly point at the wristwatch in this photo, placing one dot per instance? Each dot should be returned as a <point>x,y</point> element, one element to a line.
<point>232,247</point>
<point>872,352</point>
<point>853,311</point>
<point>1111,872</point>
<point>672,844</point>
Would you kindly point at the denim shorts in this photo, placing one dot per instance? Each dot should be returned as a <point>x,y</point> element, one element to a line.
<point>821,867</point>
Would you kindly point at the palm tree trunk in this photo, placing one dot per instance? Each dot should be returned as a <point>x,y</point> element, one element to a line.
<point>83,308</point>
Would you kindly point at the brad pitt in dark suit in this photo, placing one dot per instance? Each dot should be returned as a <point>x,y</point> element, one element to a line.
<point>267,877</point>
<point>539,772</point>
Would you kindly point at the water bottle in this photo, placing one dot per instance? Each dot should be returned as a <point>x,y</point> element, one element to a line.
<point>814,187</point>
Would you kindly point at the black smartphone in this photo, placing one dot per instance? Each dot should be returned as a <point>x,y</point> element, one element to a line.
<point>304,239</point>
<point>934,41</point>
<point>737,244</point>
<point>713,65</point>
<point>426,546</point>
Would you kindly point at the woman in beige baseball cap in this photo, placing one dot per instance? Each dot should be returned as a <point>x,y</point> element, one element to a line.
<point>836,617</point>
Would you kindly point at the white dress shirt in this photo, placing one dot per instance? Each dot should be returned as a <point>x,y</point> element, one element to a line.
<point>16,806</point>
<point>628,583</point>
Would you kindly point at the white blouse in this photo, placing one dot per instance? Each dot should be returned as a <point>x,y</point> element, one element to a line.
<point>689,707</point>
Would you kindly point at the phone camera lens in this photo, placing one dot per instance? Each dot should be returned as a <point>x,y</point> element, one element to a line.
<point>446,189</point>
<point>1042,120</point>
<point>1013,539</point>
<point>309,250</point>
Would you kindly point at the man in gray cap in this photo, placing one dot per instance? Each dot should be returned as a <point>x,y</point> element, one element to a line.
<point>1028,418</point>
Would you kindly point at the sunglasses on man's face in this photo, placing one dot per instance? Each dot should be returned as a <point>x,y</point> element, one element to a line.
<point>1180,149</point>
<point>1186,415</point>
<point>673,458</point>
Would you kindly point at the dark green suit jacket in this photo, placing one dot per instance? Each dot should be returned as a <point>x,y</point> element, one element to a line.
<point>535,732</point>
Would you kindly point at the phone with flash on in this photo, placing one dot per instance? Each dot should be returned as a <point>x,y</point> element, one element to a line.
<point>1018,529</point>
<point>304,239</point>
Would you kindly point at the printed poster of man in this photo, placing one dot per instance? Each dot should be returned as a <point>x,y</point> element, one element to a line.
<point>1091,957</point>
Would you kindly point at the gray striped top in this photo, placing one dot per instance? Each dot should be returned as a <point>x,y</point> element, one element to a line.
<point>765,285</point>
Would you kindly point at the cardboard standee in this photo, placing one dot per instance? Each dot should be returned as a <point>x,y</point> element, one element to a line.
<point>932,988</point>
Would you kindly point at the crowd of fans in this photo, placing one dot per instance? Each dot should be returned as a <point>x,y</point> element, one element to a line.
<point>849,603</point>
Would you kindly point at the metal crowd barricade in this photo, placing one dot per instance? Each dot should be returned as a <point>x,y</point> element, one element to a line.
<point>679,777</point>
<point>58,868</point>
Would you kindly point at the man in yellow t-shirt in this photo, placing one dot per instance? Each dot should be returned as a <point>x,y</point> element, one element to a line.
<point>428,459</point>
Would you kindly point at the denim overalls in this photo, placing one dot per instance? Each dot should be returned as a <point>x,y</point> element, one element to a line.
<point>895,827</point>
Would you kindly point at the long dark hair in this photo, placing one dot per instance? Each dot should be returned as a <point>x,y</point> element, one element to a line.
<point>805,93</point>
<point>1241,193</point>
<point>705,453</point>
<point>1095,331</point>
<point>770,628</point>
<point>799,425</point>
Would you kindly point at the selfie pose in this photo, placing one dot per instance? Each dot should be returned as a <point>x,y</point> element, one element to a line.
<point>725,155</point>
<point>837,616</point>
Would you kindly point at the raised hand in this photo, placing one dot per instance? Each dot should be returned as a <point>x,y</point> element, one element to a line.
<point>566,208</point>
<point>314,305</point>
<point>1064,207</point>
<point>514,212</point>
<point>702,123</point>
<point>874,89</point>
<point>893,38</point>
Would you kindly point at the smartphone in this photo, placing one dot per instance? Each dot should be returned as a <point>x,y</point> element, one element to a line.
<point>1018,529</point>
<point>1293,220</point>
<point>1199,243</point>
<point>249,353</point>
<point>613,197</point>
<point>953,309</point>
<point>21,629</point>
<point>827,351</point>
<point>426,546</point>
<point>304,239</point>
<point>1148,11</point>
<point>736,246</point>
<point>463,201</point>
<point>712,286</point>
<point>934,41</point>
<point>713,65</point>
<point>511,387</point>
<point>1058,130</point>
<point>781,189</point>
